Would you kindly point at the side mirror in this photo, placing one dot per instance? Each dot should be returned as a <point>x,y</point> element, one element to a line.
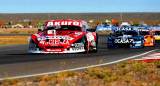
<point>39,30</point>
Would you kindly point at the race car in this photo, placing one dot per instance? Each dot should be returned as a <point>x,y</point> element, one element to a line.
<point>64,36</point>
<point>156,33</point>
<point>125,37</point>
<point>149,39</point>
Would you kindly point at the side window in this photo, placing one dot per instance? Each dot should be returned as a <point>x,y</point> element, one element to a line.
<point>84,28</point>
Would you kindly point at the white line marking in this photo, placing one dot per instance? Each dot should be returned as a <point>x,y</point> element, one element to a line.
<point>32,75</point>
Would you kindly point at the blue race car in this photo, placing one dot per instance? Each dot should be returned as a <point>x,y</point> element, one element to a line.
<point>125,37</point>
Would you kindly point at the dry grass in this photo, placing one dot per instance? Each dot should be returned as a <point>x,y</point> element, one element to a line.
<point>18,30</point>
<point>123,74</point>
<point>105,32</point>
<point>11,40</point>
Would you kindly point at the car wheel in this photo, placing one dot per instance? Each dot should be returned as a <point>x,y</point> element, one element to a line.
<point>95,51</point>
<point>32,44</point>
<point>86,45</point>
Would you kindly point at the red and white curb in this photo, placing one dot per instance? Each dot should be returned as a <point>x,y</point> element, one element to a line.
<point>151,57</point>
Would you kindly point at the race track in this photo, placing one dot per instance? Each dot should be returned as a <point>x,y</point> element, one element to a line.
<point>16,61</point>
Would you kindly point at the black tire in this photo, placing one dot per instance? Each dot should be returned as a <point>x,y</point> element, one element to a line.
<point>142,44</point>
<point>96,39</point>
<point>32,43</point>
<point>85,45</point>
<point>95,51</point>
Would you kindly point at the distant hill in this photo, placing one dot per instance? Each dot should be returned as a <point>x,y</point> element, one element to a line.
<point>82,16</point>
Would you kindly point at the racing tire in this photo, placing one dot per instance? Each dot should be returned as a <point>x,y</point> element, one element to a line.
<point>96,39</point>
<point>32,43</point>
<point>142,44</point>
<point>86,45</point>
<point>95,51</point>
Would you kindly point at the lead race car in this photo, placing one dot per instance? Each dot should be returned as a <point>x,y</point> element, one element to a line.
<point>125,37</point>
<point>64,36</point>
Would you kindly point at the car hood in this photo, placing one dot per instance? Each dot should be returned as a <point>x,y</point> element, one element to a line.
<point>60,38</point>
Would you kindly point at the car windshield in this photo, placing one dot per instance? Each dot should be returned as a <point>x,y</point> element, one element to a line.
<point>64,28</point>
<point>121,33</point>
<point>106,24</point>
<point>144,33</point>
<point>157,32</point>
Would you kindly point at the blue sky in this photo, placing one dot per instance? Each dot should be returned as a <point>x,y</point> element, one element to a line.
<point>74,6</point>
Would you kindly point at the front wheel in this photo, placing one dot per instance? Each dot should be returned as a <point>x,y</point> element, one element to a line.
<point>32,45</point>
<point>95,50</point>
<point>86,45</point>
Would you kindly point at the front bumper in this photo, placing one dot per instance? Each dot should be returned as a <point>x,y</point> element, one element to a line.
<point>149,42</point>
<point>136,44</point>
<point>70,51</point>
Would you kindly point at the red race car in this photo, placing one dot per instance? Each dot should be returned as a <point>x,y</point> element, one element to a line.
<point>64,36</point>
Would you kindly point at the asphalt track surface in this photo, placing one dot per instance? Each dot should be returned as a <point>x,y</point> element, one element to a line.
<point>16,61</point>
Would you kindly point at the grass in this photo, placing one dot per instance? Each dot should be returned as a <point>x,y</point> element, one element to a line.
<point>18,31</point>
<point>123,74</point>
<point>105,32</point>
<point>12,40</point>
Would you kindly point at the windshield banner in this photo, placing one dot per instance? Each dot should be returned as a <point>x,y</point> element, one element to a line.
<point>99,28</point>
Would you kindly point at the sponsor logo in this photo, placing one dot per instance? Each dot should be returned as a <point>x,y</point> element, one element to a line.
<point>90,37</point>
<point>143,30</point>
<point>78,48</point>
<point>123,40</point>
<point>78,34</point>
<point>56,37</point>
<point>54,42</point>
<point>59,23</point>
<point>77,45</point>
<point>57,50</point>
<point>128,28</point>
<point>108,29</point>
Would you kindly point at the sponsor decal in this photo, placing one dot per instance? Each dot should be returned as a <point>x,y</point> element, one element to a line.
<point>77,45</point>
<point>59,23</point>
<point>78,48</point>
<point>154,29</point>
<point>54,42</point>
<point>125,28</point>
<point>90,37</point>
<point>56,37</point>
<point>54,50</point>
<point>108,29</point>
<point>78,34</point>
<point>143,30</point>
<point>123,40</point>
<point>51,31</point>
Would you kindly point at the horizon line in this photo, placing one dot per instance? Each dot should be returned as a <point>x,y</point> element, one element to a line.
<point>75,12</point>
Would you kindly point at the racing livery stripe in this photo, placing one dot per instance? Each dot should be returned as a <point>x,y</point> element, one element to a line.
<point>37,35</point>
